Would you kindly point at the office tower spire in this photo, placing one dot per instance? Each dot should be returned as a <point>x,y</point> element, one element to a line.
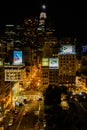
<point>42,20</point>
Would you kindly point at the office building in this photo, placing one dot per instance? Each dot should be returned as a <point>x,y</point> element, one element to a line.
<point>67,65</point>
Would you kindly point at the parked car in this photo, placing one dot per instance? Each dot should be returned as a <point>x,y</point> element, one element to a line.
<point>10,123</point>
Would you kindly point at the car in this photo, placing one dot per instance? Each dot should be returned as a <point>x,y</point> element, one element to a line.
<point>20,104</point>
<point>40,99</point>
<point>24,113</point>
<point>44,122</point>
<point>11,118</point>
<point>10,123</point>
<point>16,111</point>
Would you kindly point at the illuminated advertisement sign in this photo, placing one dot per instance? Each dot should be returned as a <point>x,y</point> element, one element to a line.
<point>17,57</point>
<point>67,49</point>
<point>53,63</point>
<point>45,62</point>
<point>1,63</point>
<point>84,49</point>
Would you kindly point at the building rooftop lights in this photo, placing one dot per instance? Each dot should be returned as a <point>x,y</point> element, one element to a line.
<point>43,6</point>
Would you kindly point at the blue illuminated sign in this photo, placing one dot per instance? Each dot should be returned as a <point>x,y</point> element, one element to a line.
<point>17,57</point>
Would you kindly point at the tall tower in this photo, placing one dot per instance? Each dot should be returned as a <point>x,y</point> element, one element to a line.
<point>42,21</point>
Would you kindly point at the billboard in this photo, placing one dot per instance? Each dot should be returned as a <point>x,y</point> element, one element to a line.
<point>1,62</point>
<point>84,49</point>
<point>45,62</point>
<point>67,49</point>
<point>53,63</point>
<point>17,57</point>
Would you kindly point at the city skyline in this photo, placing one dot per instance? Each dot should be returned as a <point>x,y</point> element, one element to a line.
<point>68,20</point>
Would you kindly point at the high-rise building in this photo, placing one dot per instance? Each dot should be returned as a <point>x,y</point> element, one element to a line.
<point>67,65</point>
<point>49,62</point>
<point>9,34</point>
<point>2,82</point>
<point>19,37</point>
<point>30,39</point>
<point>42,21</point>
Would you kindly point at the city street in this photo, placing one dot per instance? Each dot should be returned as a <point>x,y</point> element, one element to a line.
<point>31,115</point>
<point>28,118</point>
<point>31,110</point>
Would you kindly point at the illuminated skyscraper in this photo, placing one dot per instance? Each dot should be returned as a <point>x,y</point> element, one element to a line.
<point>2,82</point>
<point>42,21</point>
<point>18,39</point>
<point>9,34</point>
<point>30,39</point>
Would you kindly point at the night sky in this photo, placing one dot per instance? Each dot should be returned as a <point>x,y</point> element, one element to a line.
<point>69,19</point>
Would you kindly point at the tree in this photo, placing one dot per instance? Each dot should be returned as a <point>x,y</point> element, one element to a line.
<point>52,95</point>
